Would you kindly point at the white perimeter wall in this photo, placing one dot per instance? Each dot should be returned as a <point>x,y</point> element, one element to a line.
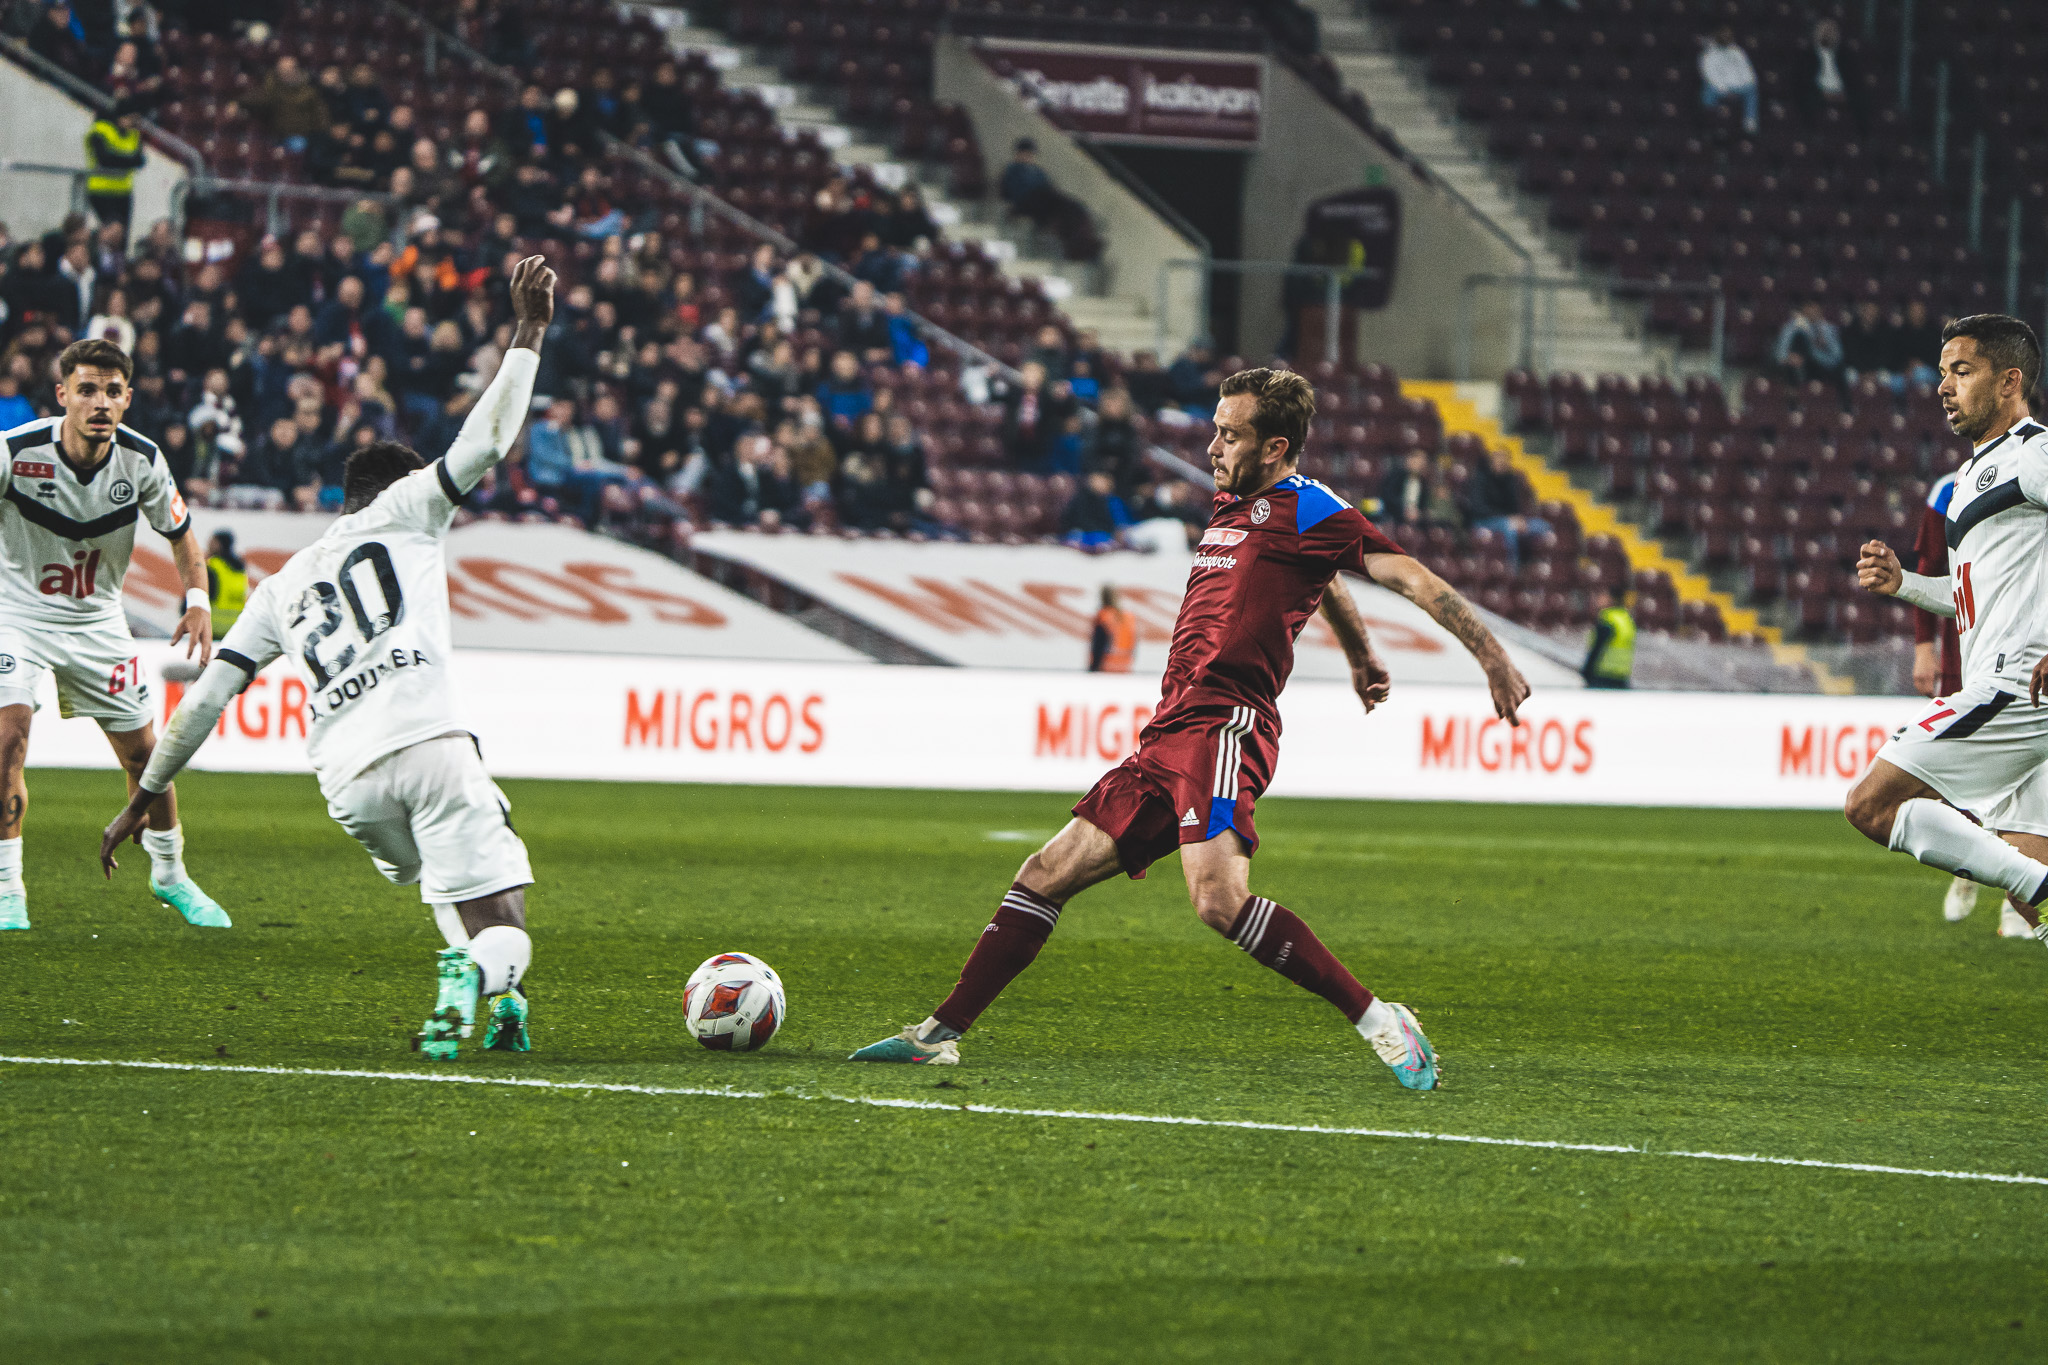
<point>40,123</point>
<point>648,719</point>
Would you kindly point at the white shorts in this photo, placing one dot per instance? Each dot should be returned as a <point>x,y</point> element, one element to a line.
<point>430,814</point>
<point>96,670</point>
<point>1983,749</point>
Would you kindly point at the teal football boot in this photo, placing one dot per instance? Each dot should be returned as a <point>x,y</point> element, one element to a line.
<point>507,1031</point>
<point>13,910</point>
<point>195,905</point>
<point>908,1047</point>
<point>1403,1048</point>
<point>454,1010</point>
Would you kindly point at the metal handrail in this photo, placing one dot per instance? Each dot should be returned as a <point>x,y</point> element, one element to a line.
<point>86,94</point>
<point>1551,285</point>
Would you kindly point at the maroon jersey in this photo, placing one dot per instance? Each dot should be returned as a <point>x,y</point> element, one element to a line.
<point>1258,574</point>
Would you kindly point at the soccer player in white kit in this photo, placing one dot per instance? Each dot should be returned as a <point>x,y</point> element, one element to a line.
<point>1981,749</point>
<point>70,491</point>
<point>363,614</point>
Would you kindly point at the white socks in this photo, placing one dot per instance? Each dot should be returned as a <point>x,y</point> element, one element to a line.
<point>10,864</point>
<point>449,921</point>
<point>166,849</point>
<point>1377,1018</point>
<point>1942,836</point>
<point>501,953</point>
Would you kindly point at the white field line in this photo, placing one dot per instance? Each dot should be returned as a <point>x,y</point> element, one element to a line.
<point>1091,1116</point>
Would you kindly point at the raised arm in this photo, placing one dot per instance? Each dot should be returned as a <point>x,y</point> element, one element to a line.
<point>1878,570</point>
<point>1369,677</point>
<point>187,729</point>
<point>494,423</point>
<point>1413,580</point>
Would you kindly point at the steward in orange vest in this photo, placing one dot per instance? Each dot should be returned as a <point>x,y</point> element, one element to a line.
<point>1114,642</point>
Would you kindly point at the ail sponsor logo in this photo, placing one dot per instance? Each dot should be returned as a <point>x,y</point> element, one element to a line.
<point>710,720</point>
<point>1491,745</point>
<point>1080,731</point>
<point>1828,750</point>
<point>79,578</point>
<point>34,469</point>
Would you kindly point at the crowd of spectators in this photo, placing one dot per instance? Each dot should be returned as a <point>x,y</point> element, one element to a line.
<point>1842,350</point>
<point>1423,491</point>
<point>765,393</point>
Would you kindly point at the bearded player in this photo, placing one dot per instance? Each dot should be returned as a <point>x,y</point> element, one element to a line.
<point>1274,542</point>
<point>70,493</point>
<point>1981,748</point>
<point>363,614</point>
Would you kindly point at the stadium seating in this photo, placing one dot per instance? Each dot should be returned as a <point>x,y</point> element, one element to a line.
<point>1776,494</point>
<point>1599,111</point>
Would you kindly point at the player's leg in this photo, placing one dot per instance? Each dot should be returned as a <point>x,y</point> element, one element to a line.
<point>473,861</point>
<point>14,725</point>
<point>1959,900</point>
<point>1902,810</point>
<point>163,840</point>
<point>1219,884</point>
<point>1078,857</point>
<point>2016,919</point>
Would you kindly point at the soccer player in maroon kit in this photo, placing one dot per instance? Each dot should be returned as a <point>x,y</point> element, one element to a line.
<point>1274,542</point>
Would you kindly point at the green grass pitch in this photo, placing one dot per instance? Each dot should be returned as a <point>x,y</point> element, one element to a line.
<point>1735,982</point>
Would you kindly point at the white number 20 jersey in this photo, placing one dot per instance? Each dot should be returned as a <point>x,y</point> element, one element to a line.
<point>363,613</point>
<point>1998,556</point>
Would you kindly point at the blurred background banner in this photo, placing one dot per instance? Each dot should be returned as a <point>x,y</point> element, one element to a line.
<point>644,718</point>
<point>1138,95</point>
<point>1030,606</point>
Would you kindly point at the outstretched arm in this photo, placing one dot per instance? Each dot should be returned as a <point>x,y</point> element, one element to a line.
<point>1878,570</point>
<point>1369,677</point>
<point>1414,581</point>
<point>494,423</point>
<point>187,730</point>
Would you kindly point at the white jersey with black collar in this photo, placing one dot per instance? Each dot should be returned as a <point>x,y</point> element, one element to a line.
<point>67,536</point>
<point>1998,556</point>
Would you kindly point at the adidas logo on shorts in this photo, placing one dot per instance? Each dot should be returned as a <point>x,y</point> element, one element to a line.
<point>1189,818</point>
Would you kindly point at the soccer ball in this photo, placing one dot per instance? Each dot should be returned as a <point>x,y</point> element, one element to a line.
<point>734,1002</point>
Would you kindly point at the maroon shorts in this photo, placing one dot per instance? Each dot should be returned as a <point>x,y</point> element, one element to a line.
<point>1190,780</point>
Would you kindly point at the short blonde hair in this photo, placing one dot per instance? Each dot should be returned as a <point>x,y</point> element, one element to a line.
<point>1286,404</point>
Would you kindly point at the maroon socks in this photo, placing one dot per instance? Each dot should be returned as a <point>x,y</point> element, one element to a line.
<point>1271,933</point>
<point>1007,946</point>
<point>1276,937</point>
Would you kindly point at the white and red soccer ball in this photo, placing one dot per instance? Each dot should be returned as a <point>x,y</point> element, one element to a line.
<point>734,1002</point>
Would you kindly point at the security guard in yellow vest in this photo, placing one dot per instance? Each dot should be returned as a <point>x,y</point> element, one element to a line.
<point>113,153</point>
<point>1611,658</point>
<point>227,581</point>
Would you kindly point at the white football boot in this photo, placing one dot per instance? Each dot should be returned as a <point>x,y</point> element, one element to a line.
<point>2012,924</point>
<point>1960,900</point>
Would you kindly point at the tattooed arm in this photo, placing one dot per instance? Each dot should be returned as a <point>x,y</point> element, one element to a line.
<point>1369,677</point>
<point>1414,581</point>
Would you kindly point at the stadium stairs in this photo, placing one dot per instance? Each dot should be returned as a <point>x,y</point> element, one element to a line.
<point>1594,333</point>
<point>1121,323</point>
